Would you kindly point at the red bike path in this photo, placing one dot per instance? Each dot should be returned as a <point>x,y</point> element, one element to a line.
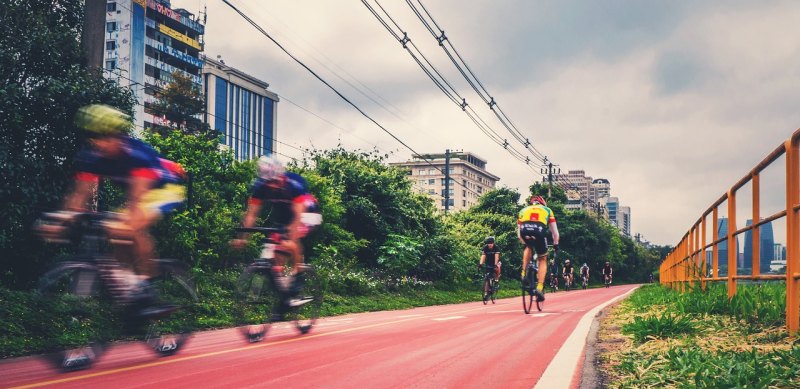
<point>459,345</point>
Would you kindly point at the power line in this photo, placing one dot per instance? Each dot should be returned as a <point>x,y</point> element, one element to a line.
<point>318,77</point>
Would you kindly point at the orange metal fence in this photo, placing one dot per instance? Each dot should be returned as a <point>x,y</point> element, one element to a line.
<point>687,263</point>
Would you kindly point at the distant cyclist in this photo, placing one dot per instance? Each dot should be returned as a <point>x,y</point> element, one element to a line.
<point>490,256</point>
<point>568,272</point>
<point>153,188</point>
<point>585,272</point>
<point>553,275</point>
<point>292,208</point>
<point>607,273</point>
<point>533,222</point>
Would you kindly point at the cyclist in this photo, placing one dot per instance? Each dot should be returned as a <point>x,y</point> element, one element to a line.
<point>532,222</point>
<point>491,256</point>
<point>553,275</point>
<point>607,272</point>
<point>293,208</point>
<point>568,272</point>
<point>152,184</point>
<point>585,272</point>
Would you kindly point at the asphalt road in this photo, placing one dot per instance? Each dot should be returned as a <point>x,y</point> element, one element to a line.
<point>450,346</point>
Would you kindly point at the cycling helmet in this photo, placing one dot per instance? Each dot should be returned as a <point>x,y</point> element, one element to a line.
<point>608,263</point>
<point>101,120</point>
<point>537,200</point>
<point>566,262</point>
<point>269,168</point>
<point>489,240</point>
<point>585,265</point>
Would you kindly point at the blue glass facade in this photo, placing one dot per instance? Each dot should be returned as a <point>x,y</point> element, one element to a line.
<point>766,249</point>
<point>244,117</point>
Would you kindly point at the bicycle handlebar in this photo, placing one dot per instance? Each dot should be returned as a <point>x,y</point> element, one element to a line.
<point>263,230</point>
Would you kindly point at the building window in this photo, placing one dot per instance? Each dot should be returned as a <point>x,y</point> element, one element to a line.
<point>111,7</point>
<point>111,64</point>
<point>464,193</point>
<point>432,181</point>
<point>111,45</point>
<point>431,171</point>
<point>480,189</point>
<point>463,203</point>
<point>111,26</point>
<point>421,172</point>
<point>431,191</point>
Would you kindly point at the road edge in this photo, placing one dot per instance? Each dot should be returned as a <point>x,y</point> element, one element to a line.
<point>567,359</point>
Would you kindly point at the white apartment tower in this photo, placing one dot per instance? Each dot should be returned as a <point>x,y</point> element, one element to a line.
<point>469,178</point>
<point>145,42</point>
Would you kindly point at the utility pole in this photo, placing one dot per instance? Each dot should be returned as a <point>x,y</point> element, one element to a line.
<point>93,35</point>
<point>550,169</point>
<point>446,180</point>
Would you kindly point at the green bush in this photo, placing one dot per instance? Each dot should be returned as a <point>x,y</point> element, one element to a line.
<point>659,326</point>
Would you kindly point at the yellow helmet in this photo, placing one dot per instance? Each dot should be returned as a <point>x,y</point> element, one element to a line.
<point>102,119</point>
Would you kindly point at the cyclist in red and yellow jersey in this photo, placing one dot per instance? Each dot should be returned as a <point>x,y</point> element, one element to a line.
<point>533,222</point>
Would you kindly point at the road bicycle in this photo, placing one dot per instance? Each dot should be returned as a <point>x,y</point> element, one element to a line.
<point>584,281</point>
<point>490,285</point>
<point>529,292</point>
<point>553,282</point>
<point>268,294</point>
<point>567,282</point>
<point>91,296</point>
<point>607,280</point>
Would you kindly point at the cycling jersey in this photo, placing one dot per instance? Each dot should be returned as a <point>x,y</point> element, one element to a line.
<point>584,270</point>
<point>532,222</point>
<point>606,270</point>
<point>292,189</point>
<point>137,160</point>
<point>491,254</point>
<point>567,269</point>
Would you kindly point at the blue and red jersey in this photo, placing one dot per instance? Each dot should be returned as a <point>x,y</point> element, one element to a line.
<point>292,189</point>
<point>138,160</point>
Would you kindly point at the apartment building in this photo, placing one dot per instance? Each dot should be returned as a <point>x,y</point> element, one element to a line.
<point>468,177</point>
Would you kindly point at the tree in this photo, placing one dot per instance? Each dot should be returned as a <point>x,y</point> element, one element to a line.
<point>181,104</point>
<point>42,85</point>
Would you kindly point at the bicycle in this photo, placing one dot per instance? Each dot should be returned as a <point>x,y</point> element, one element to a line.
<point>553,282</point>
<point>91,292</point>
<point>490,285</point>
<point>567,282</point>
<point>584,281</point>
<point>529,292</point>
<point>607,280</point>
<point>265,293</point>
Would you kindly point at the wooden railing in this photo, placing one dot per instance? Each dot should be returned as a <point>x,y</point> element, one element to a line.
<point>687,264</point>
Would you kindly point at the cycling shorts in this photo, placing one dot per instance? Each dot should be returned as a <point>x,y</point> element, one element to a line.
<point>160,201</point>
<point>534,236</point>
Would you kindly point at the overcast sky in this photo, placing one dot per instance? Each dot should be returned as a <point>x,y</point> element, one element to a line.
<point>672,102</point>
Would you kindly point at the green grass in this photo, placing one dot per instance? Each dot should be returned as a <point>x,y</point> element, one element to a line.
<point>703,340</point>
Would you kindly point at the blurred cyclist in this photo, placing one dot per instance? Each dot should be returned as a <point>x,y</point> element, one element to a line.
<point>607,273</point>
<point>585,272</point>
<point>533,221</point>
<point>152,185</point>
<point>293,208</point>
<point>569,273</point>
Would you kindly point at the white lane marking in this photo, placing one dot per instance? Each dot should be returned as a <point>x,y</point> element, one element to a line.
<point>566,360</point>
<point>514,310</point>
<point>543,314</point>
<point>450,318</point>
<point>404,316</point>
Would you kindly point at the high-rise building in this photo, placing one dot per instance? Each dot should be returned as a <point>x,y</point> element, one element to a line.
<point>601,188</point>
<point>240,106</point>
<point>611,205</point>
<point>722,247</point>
<point>624,220</point>
<point>469,178</point>
<point>577,180</point>
<point>146,41</point>
<point>766,247</point>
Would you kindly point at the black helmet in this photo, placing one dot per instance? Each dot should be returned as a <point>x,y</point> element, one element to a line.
<point>489,240</point>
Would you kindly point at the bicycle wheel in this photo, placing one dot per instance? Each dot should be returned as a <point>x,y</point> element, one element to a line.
<point>80,315</point>
<point>308,301</point>
<point>176,290</point>
<point>493,285</point>
<point>528,297</point>
<point>256,297</point>
<point>487,289</point>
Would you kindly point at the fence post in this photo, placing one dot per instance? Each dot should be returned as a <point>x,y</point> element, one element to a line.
<point>792,259</point>
<point>715,249</point>
<point>704,266</point>
<point>755,233</point>
<point>733,249</point>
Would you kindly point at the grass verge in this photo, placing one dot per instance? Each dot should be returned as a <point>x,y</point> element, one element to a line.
<point>658,338</point>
